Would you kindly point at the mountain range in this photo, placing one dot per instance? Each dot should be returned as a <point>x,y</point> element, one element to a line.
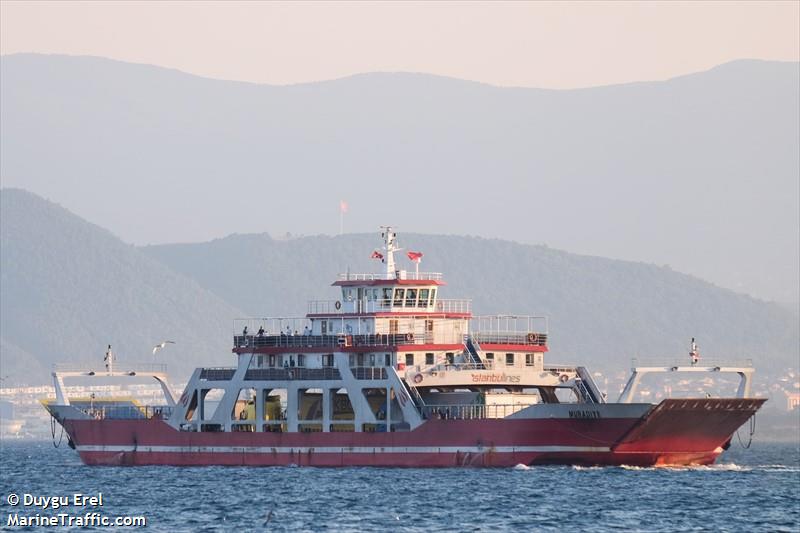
<point>699,172</point>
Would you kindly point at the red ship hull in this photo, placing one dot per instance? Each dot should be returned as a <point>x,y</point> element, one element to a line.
<point>674,432</point>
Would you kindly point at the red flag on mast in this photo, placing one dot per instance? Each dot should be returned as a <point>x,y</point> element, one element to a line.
<point>376,255</point>
<point>414,256</point>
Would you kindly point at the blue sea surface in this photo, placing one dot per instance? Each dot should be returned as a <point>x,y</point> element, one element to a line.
<point>756,489</point>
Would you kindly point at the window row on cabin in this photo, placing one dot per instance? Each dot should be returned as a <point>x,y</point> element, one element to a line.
<point>371,359</point>
<point>289,360</point>
<point>530,359</point>
<point>449,358</point>
<point>413,297</point>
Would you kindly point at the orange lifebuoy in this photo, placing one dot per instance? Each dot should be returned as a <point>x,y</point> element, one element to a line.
<point>531,338</point>
<point>409,337</point>
<point>338,305</point>
<point>418,378</point>
<point>564,378</point>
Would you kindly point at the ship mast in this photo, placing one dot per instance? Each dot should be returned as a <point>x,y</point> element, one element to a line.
<point>390,246</point>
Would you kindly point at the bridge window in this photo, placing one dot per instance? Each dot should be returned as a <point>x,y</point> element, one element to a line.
<point>386,297</point>
<point>450,358</point>
<point>327,360</point>
<point>433,296</point>
<point>372,359</point>
<point>424,294</point>
<point>428,358</point>
<point>301,359</point>
<point>509,359</point>
<point>387,360</point>
<point>490,356</point>
<point>398,297</point>
<point>411,297</point>
<point>409,359</point>
<point>529,359</point>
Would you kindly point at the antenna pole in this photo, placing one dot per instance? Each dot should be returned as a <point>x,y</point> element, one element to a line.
<point>389,237</point>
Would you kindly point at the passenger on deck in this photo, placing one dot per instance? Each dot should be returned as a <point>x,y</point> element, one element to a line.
<point>306,331</point>
<point>260,331</point>
<point>244,331</point>
<point>288,331</point>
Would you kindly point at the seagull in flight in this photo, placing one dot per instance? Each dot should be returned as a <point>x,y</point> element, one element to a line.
<point>157,347</point>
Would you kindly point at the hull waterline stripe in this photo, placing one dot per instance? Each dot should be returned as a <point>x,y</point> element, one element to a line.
<point>337,449</point>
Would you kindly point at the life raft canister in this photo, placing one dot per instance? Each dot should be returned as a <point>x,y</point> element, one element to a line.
<point>418,378</point>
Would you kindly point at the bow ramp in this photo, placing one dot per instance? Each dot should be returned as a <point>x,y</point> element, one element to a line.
<point>688,425</point>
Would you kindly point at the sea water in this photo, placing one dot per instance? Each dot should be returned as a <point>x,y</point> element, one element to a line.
<point>755,489</point>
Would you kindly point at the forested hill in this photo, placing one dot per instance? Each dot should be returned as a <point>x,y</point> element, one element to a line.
<point>602,311</point>
<point>70,288</point>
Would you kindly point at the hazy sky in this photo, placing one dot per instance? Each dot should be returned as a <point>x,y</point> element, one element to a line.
<point>539,44</point>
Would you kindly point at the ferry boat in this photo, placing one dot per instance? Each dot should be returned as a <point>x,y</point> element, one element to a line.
<point>391,374</point>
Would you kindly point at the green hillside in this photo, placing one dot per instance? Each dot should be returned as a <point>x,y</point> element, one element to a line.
<point>69,288</point>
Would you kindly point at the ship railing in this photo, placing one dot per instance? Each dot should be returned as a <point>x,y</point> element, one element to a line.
<point>510,326</point>
<point>528,338</point>
<point>292,373</point>
<point>119,367</point>
<point>324,341</point>
<point>703,362</point>
<point>337,307</point>
<point>453,305</point>
<point>128,412</point>
<point>217,373</point>
<point>412,371</point>
<point>470,411</point>
<point>561,369</point>
<point>400,274</point>
<point>369,372</point>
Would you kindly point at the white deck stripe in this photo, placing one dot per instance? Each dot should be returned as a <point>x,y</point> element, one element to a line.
<point>333,449</point>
